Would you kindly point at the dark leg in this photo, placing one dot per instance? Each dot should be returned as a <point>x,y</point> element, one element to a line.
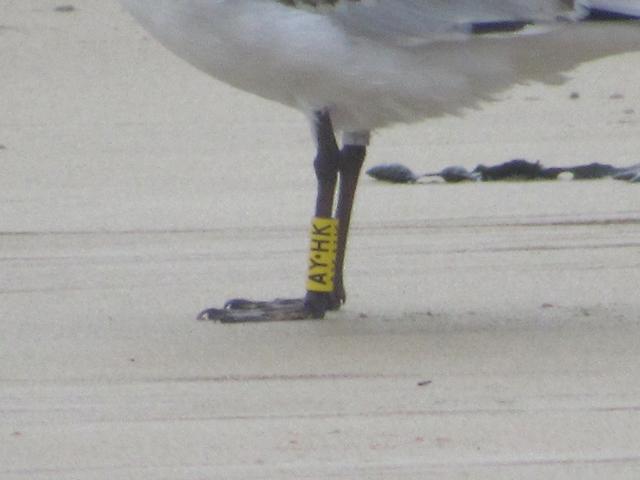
<point>326,166</point>
<point>351,160</point>
<point>315,304</point>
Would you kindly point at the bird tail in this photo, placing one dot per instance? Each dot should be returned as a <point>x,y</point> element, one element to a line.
<point>608,11</point>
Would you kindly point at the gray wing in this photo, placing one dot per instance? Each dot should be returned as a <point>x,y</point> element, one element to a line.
<point>421,21</point>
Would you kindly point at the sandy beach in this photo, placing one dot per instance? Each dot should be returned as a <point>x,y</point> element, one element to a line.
<point>491,329</point>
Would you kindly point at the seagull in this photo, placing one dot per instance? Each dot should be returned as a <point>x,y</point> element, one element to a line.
<point>355,66</point>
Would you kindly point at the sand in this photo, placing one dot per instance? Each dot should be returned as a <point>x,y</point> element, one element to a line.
<point>491,329</point>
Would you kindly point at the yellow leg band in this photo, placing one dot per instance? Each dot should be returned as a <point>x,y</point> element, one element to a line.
<point>322,254</point>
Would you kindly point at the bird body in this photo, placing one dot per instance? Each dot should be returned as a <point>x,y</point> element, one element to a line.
<point>373,63</point>
<point>357,65</point>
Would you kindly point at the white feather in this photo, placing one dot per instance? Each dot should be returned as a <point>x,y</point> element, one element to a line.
<point>377,62</point>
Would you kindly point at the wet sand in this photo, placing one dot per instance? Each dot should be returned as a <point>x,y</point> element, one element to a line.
<point>491,329</point>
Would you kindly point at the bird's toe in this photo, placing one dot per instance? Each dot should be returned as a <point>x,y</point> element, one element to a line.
<point>240,310</point>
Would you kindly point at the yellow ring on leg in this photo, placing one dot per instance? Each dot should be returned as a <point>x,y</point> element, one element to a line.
<point>322,255</point>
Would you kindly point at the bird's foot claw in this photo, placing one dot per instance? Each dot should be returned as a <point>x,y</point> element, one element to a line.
<point>240,310</point>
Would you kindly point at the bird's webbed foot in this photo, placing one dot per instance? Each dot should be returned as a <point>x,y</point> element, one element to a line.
<point>240,310</point>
